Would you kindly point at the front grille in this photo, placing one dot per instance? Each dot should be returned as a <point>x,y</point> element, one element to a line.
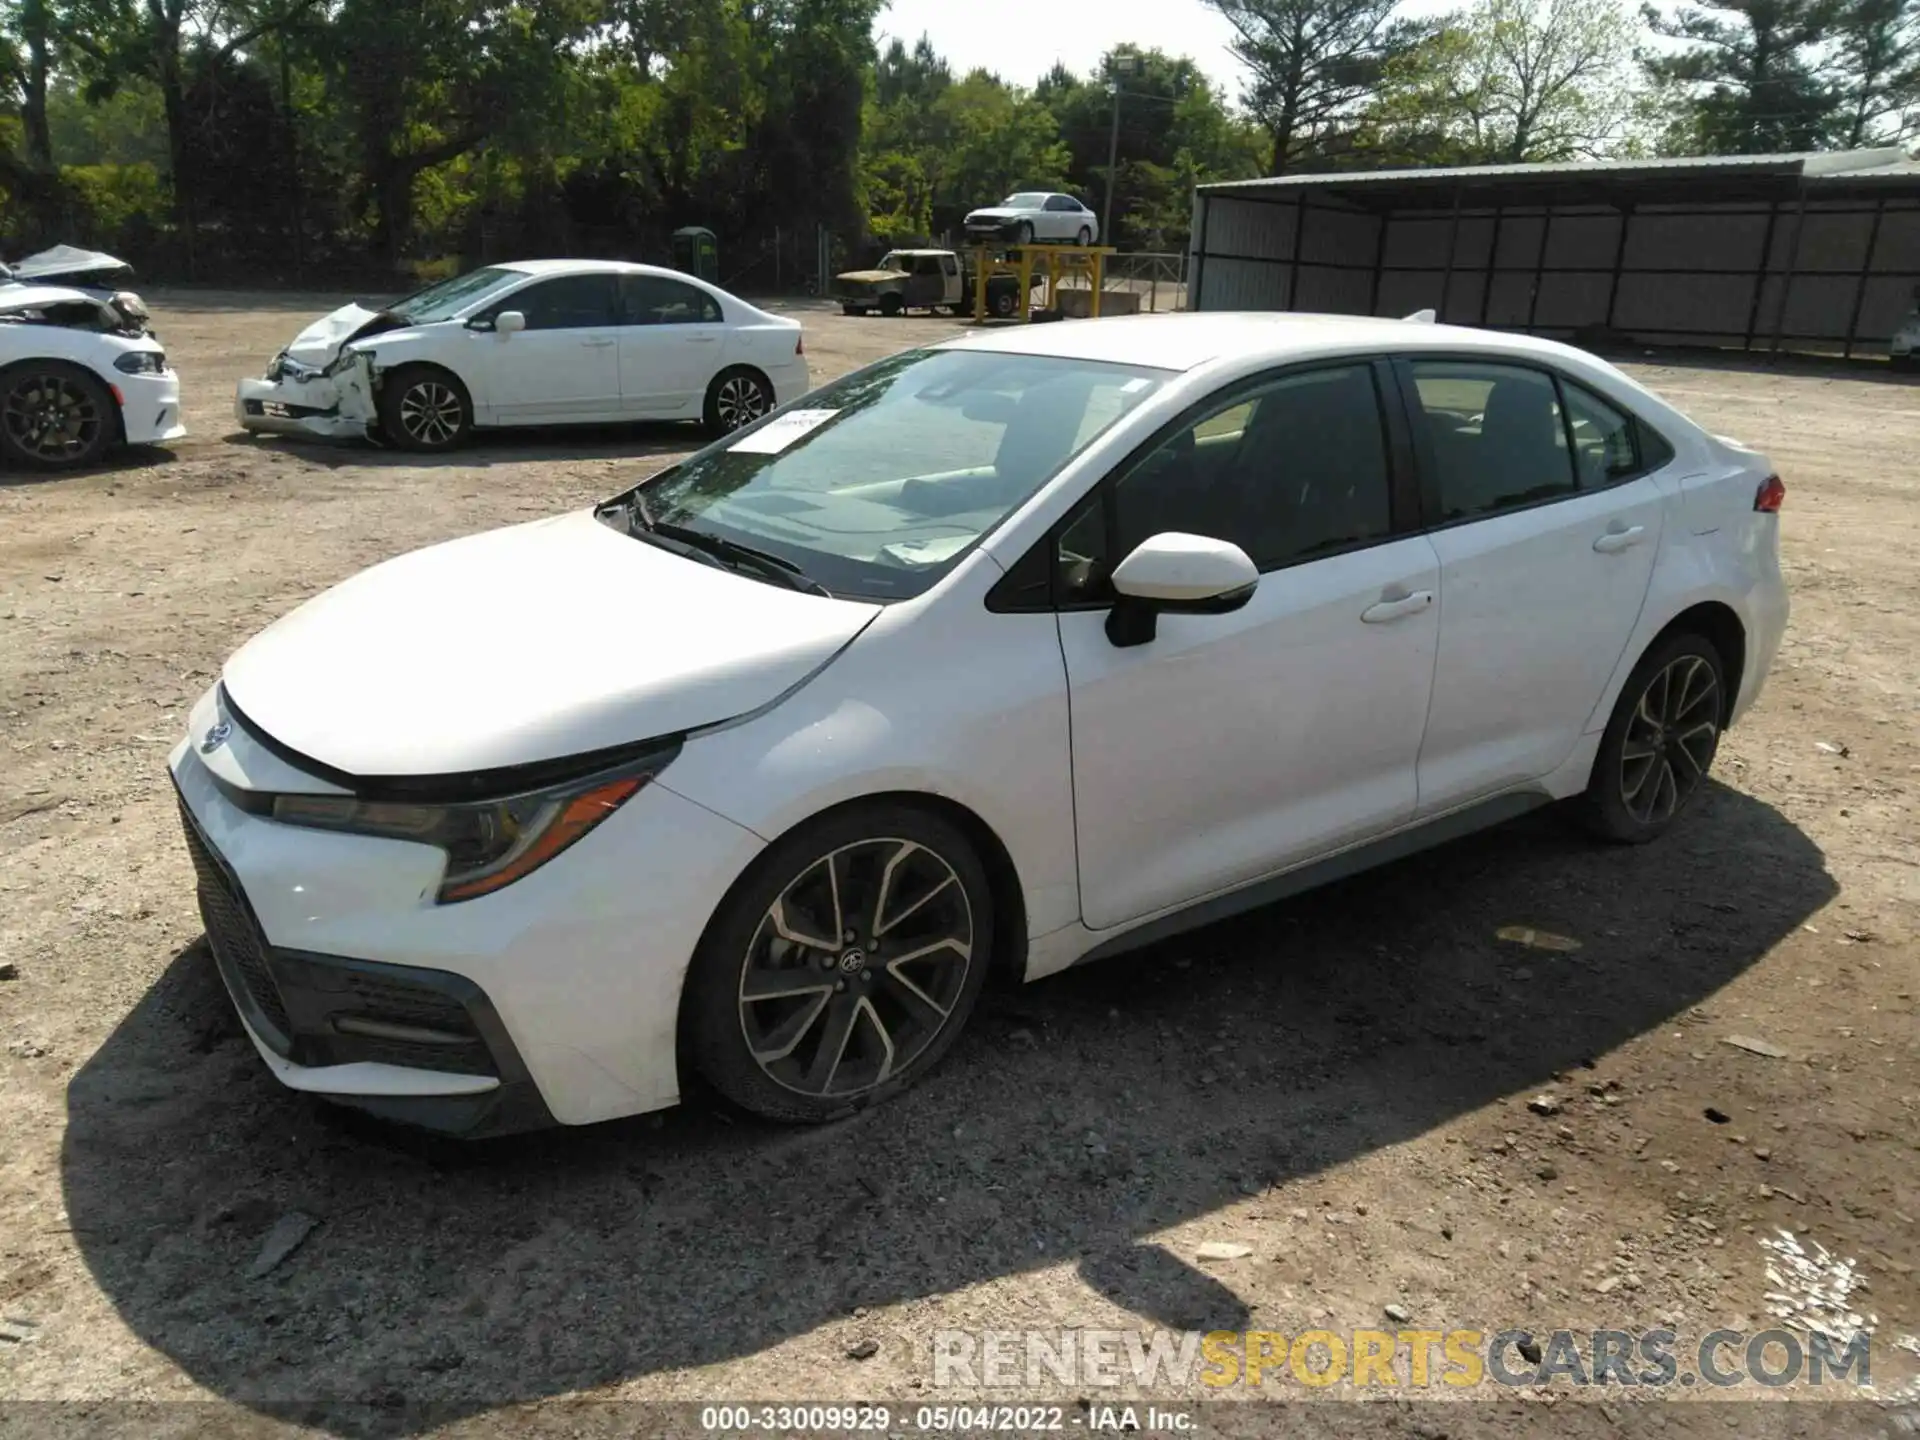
<point>231,931</point>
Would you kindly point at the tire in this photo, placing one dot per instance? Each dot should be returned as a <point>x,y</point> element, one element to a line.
<point>1024,234</point>
<point>735,398</point>
<point>1653,761</point>
<point>1002,302</point>
<point>962,309</point>
<point>892,305</point>
<point>894,1017</point>
<point>1084,238</point>
<point>848,308</point>
<point>425,409</point>
<point>55,416</point>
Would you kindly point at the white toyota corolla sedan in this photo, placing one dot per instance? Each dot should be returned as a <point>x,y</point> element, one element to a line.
<point>538,342</point>
<point>990,658</point>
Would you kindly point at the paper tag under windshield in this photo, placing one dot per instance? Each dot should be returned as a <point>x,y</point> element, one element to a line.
<point>777,435</point>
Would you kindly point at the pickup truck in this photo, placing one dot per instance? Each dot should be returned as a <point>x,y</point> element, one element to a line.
<point>924,280</point>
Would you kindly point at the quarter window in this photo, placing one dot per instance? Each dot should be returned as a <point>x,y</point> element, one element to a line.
<point>1498,441</point>
<point>1603,444</point>
<point>1293,471</point>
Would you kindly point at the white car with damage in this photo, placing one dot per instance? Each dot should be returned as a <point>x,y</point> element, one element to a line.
<point>537,342</point>
<point>80,372</point>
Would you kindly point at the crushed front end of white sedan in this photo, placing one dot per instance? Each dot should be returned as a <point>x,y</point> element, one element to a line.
<point>320,384</point>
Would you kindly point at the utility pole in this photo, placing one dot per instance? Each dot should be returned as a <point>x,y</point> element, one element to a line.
<point>1119,65</point>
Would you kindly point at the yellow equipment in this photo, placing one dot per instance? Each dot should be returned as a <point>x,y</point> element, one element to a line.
<point>1023,261</point>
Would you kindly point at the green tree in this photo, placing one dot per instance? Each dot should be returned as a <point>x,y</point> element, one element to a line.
<point>1314,63</point>
<point>1877,67</point>
<point>1748,77</point>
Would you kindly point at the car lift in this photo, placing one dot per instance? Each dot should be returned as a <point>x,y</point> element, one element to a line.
<point>1022,261</point>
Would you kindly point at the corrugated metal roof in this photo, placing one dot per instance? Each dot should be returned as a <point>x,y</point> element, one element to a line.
<point>1891,162</point>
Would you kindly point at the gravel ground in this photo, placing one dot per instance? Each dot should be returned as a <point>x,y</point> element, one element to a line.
<point>1340,1084</point>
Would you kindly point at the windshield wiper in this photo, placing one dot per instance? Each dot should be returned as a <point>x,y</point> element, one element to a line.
<point>732,552</point>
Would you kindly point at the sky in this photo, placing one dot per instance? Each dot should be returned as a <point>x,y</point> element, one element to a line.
<point>1019,40</point>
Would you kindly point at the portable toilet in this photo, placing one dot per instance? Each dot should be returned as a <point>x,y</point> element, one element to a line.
<point>696,252</point>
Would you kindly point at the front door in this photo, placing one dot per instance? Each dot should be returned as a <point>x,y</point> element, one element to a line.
<point>565,366</point>
<point>1234,746</point>
<point>673,344</point>
<point>1546,550</point>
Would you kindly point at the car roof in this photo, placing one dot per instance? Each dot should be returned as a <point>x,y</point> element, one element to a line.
<point>589,267</point>
<point>1184,341</point>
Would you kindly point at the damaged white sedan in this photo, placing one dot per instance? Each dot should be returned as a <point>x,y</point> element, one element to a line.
<point>538,342</point>
<point>80,372</point>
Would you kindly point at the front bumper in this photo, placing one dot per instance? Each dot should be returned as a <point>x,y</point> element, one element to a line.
<point>555,997</point>
<point>150,407</point>
<point>330,407</point>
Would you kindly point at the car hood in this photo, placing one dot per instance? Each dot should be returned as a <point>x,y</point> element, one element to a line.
<point>320,342</point>
<point>537,642</point>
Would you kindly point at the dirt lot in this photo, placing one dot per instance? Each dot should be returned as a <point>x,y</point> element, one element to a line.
<point>1339,1084</point>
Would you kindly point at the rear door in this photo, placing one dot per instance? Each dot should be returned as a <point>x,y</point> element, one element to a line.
<point>672,345</point>
<point>565,366</point>
<point>1546,523</point>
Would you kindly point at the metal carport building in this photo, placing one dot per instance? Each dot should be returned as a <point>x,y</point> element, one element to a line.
<point>1815,252</point>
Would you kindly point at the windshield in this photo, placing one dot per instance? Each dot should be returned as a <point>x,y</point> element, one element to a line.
<point>892,260</point>
<point>877,485</point>
<point>450,297</point>
<point>1025,200</point>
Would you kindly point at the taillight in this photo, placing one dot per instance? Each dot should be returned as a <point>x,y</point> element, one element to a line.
<point>800,344</point>
<point>1771,493</point>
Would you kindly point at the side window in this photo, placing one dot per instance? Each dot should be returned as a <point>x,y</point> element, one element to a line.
<point>1293,471</point>
<point>1060,202</point>
<point>1603,445</point>
<point>655,300</point>
<point>567,302</point>
<point>1655,452</point>
<point>926,265</point>
<point>1497,439</point>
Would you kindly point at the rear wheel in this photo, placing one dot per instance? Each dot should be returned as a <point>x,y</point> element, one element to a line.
<point>1001,302</point>
<point>842,966</point>
<point>54,416</point>
<point>1660,742</point>
<point>735,398</point>
<point>426,409</point>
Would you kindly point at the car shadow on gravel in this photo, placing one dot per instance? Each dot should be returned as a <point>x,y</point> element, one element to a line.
<point>630,441</point>
<point>1077,1119</point>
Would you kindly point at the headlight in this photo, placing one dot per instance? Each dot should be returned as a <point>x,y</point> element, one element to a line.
<point>141,362</point>
<point>489,843</point>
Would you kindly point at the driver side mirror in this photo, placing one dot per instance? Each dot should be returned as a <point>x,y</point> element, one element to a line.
<point>509,322</point>
<point>1181,575</point>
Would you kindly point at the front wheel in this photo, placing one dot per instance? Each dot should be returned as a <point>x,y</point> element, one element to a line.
<point>1024,235</point>
<point>842,966</point>
<point>1660,742</point>
<point>426,409</point>
<point>1002,303</point>
<point>736,398</point>
<point>1084,238</point>
<point>54,416</point>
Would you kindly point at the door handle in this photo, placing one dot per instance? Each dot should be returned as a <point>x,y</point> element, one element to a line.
<point>597,344</point>
<point>1614,541</point>
<point>702,339</point>
<point>1393,609</point>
